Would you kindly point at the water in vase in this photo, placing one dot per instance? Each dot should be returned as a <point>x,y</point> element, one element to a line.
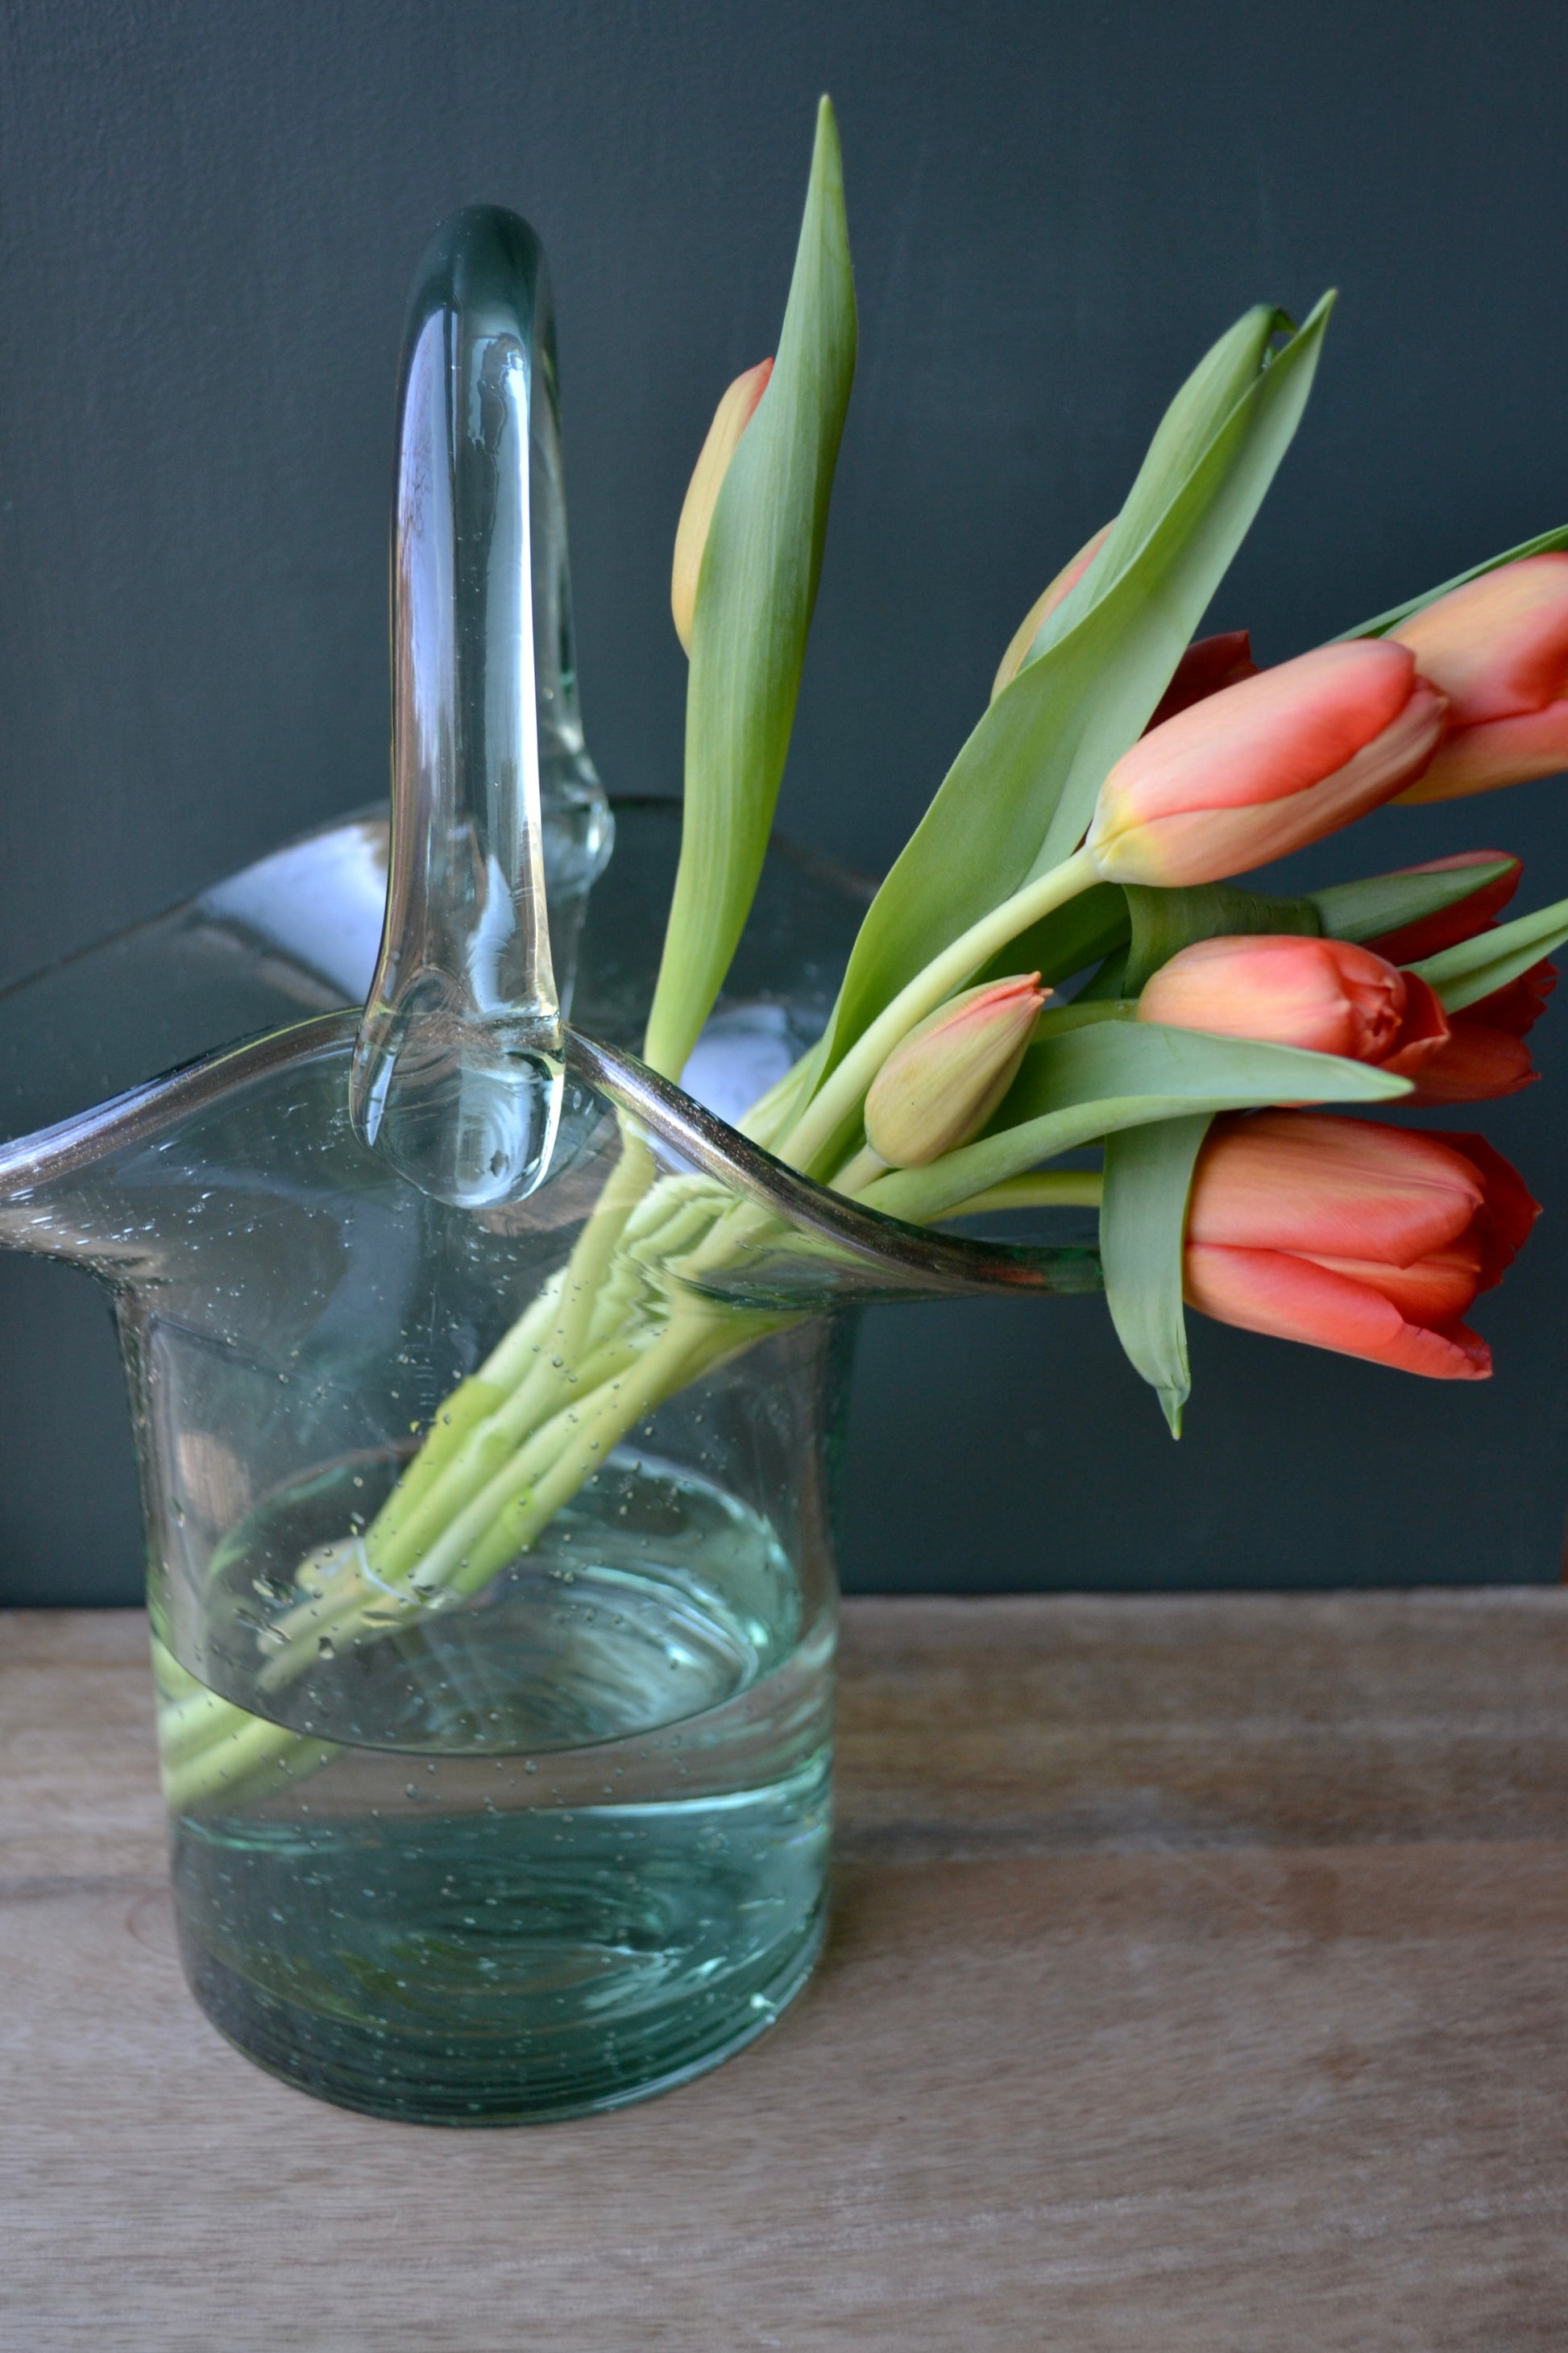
<point>526,1857</point>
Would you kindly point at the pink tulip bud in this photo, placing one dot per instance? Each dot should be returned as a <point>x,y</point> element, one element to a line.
<point>1208,664</point>
<point>1466,917</point>
<point>941,1083</point>
<point>731,418</point>
<point>1266,768</point>
<point>1325,996</point>
<point>1367,1239</point>
<point>1497,648</point>
<point>1047,600</point>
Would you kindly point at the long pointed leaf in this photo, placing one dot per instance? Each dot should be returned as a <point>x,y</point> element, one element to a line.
<point>754,599</point>
<point>1021,791</point>
<point>1165,921</point>
<point>1546,543</point>
<point>1472,969</point>
<point>1386,903</point>
<point>1142,1232</point>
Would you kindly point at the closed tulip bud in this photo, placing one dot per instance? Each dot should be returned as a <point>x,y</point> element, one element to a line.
<point>942,1083</point>
<point>1266,768</point>
<point>1325,996</point>
<point>1024,635</point>
<point>1497,648</point>
<point>1370,1241</point>
<point>1208,664</point>
<point>731,418</point>
<point>1431,934</point>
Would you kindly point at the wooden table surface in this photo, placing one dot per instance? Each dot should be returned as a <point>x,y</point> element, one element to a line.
<point>1198,1981</point>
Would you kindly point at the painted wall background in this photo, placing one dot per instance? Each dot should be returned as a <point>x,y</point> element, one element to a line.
<point>208,217</point>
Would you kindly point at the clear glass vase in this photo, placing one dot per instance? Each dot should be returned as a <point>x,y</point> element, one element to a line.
<point>486,1386</point>
<point>550,1834</point>
<point>489,1819</point>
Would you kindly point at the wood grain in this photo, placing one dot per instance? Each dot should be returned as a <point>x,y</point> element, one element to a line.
<point>1198,1981</point>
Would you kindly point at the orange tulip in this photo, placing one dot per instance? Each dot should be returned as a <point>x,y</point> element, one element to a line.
<point>1370,1241</point>
<point>940,1084</point>
<point>1266,766</point>
<point>1497,648</point>
<point>1326,996</point>
<point>731,418</point>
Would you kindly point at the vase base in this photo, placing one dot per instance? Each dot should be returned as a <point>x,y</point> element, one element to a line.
<point>529,2081</point>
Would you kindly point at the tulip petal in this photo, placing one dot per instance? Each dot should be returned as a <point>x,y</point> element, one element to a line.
<point>731,420</point>
<point>1325,996</point>
<point>1510,1207</point>
<point>1476,1065</point>
<point>1423,1034</point>
<point>1291,1298</point>
<point>1275,734</point>
<point>1140,835</point>
<point>1499,646</point>
<point>1501,751</point>
<point>1435,1291</point>
<point>1338,1187</point>
<point>1517,1007</point>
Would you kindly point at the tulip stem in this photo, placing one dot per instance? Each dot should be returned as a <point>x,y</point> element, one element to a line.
<point>864,1169</point>
<point>817,1128</point>
<point>1042,1188</point>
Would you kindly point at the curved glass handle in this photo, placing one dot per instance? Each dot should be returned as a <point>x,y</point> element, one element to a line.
<point>453,1079</point>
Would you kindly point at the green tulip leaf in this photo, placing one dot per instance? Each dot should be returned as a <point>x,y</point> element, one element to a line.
<point>1472,969</point>
<point>1143,1234</point>
<point>1058,1019</point>
<point>1547,543</point>
<point>1021,790</point>
<point>1165,921</point>
<point>1088,928</point>
<point>754,598</point>
<point>1075,1088</point>
<point>1386,903</point>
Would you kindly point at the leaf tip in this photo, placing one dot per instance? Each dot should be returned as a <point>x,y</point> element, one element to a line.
<point>827,148</point>
<point>1173,1403</point>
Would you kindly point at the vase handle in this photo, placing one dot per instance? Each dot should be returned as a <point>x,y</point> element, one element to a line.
<point>455,1079</point>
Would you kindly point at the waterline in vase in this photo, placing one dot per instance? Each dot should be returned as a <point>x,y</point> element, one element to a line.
<point>537,1855</point>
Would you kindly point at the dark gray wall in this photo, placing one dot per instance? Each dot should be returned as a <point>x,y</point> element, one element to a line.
<point>208,217</point>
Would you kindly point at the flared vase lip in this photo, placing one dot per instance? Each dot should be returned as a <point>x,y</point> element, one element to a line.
<point>877,1254</point>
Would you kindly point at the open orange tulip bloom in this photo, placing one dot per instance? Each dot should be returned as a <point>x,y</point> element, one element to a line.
<point>1373,1241</point>
<point>1266,766</point>
<point>1497,648</point>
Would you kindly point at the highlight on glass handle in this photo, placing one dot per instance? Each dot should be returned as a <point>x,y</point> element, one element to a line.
<point>454,1078</point>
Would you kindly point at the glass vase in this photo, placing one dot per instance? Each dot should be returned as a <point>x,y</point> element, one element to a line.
<point>470,1855</point>
<point>485,1384</point>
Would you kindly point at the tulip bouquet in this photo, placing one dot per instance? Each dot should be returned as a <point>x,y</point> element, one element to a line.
<point>1060,957</point>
